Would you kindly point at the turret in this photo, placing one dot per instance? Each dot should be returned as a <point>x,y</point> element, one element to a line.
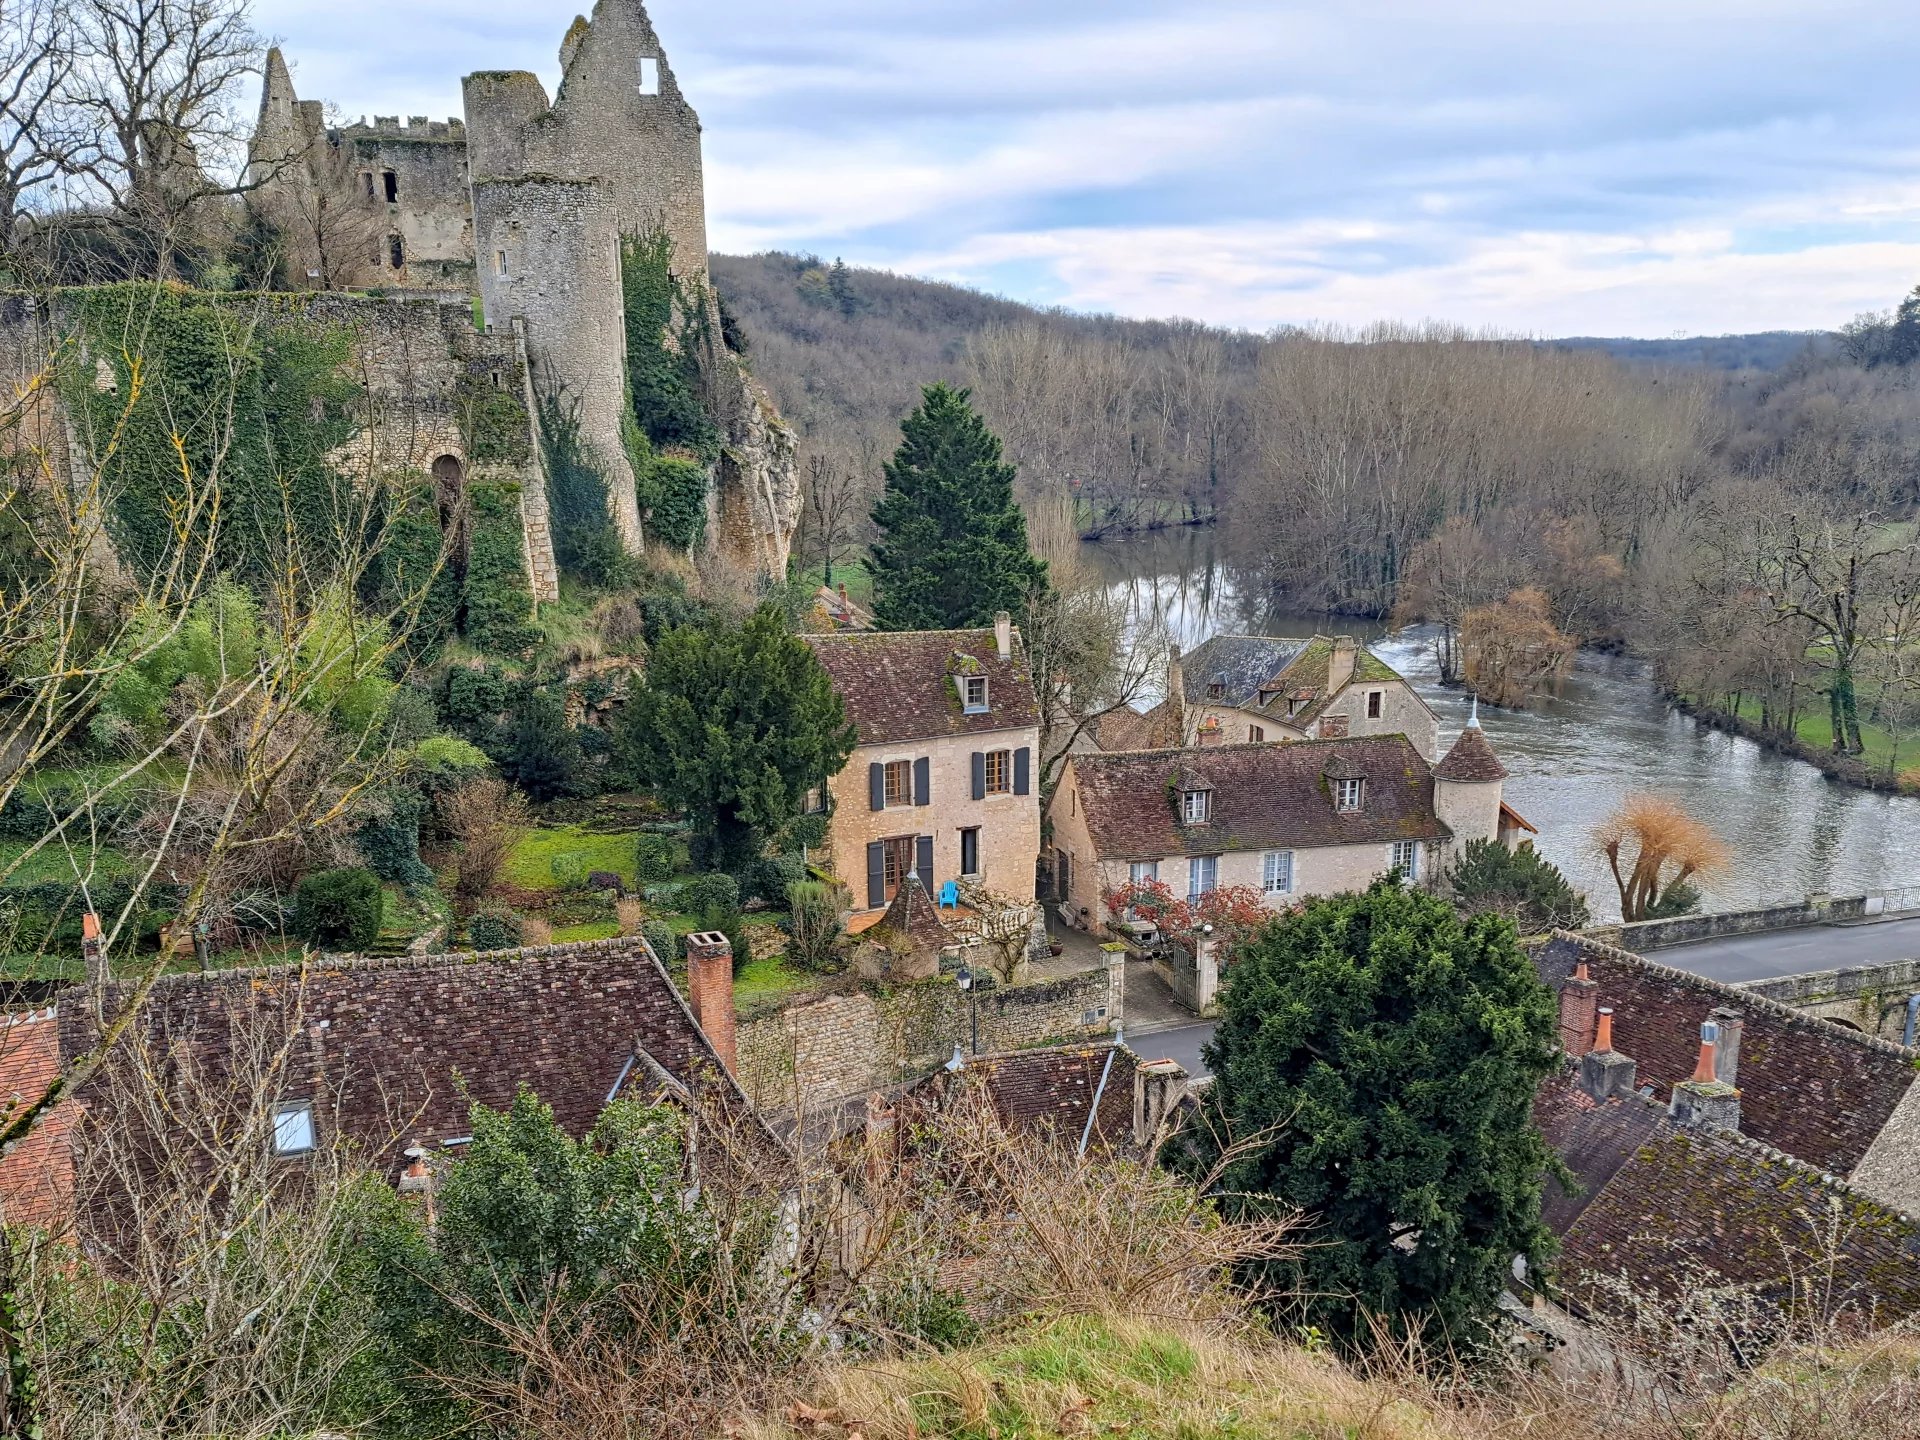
<point>1467,785</point>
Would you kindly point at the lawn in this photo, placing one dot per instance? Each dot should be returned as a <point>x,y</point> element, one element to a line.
<point>531,865</point>
<point>51,862</point>
<point>1815,728</point>
<point>758,981</point>
<point>592,930</point>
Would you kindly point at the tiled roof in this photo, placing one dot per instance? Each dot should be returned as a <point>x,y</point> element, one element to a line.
<point>1241,664</point>
<point>1660,1203</point>
<point>1815,1090</point>
<point>1124,728</point>
<point>1051,1089</point>
<point>899,685</point>
<point>1471,759</point>
<point>912,914</point>
<point>1264,797</point>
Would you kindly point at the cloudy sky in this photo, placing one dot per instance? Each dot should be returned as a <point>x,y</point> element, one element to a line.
<point>1554,167</point>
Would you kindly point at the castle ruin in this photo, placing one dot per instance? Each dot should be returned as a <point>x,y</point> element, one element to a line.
<point>526,202</point>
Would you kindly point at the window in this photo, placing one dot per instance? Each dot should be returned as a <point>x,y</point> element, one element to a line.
<point>1277,878</point>
<point>1348,794</point>
<point>1255,734</point>
<point>366,179</point>
<point>392,183</point>
<point>815,802</point>
<point>973,694</point>
<point>1142,872</point>
<point>970,851</point>
<point>1202,872</point>
<point>899,789</point>
<point>293,1128</point>
<point>500,263</point>
<point>1216,689</point>
<point>999,772</point>
<point>396,256</point>
<point>649,75</point>
<point>1405,857</point>
<point>898,862</point>
<point>1374,700</point>
<point>1195,806</point>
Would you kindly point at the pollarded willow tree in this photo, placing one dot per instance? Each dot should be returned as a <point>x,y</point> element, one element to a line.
<point>1377,1056</point>
<point>1656,850</point>
<point>953,544</point>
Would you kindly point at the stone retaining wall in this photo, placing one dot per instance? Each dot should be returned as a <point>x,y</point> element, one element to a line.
<point>1644,935</point>
<point>843,1046</point>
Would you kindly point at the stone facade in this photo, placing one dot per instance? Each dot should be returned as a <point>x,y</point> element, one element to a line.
<point>527,201</point>
<point>829,1050</point>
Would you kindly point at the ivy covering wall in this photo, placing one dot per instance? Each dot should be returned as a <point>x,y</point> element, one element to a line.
<point>674,442</point>
<point>165,383</point>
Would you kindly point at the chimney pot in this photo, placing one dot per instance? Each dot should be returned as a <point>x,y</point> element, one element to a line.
<point>1604,1071</point>
<point>1726,1055</point>
<point>1603,1033</point>
<point>93,949</point>
<point>1705,1070</point>
<point>710,989</point>
<point>1706,1100</point>
<point>1003,634</point>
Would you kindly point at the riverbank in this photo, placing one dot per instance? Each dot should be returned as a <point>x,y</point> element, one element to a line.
<point>1847,769</point>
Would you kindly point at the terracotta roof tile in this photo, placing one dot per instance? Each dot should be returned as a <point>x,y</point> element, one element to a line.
<point>899,684</point>
<point>1124,728</point>
<point>1264,797</point>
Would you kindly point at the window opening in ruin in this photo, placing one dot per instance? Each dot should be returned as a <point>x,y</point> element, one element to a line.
<point>649,75</point>
<point>500,262</point>
<point>396,256</point>
<point>366,179</point>
<point>392,182</point>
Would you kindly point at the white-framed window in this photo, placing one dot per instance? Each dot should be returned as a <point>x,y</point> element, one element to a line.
<point>293,1128</point>
<point>815,801</point>
<point>1277,873</point>
<point>1203,872</point>
<point>1405,857</point>
<point>898,786</point>
<point>1140,872</point>
<point>1195,806</point>
<point>973,694</point>
<point>1348,794</point>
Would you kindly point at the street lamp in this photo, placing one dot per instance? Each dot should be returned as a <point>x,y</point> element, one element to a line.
<point>963,977</point>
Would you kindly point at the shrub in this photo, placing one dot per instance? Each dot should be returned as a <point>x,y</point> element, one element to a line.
<point>807,832</point>
<point>659,935</point>
<point>543,753</point>
<point>340,909</point>
<point>486,819</point>
<point>815,925</point>
<point>390,843</point>
<point>569,870</point>
<point>1519,884</point>
<point>495,930</point>
<point>715,891</point>
<point>769,878</point>
<point>655,858</point>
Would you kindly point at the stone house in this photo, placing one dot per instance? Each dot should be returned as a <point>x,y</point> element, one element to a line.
<point>1316,817</point>
<point>1716,1137</point>
<point>1249,689</point>
<point>942,781</point>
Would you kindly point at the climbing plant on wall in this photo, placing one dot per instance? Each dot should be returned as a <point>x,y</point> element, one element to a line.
<point>665,325</point>
<point>165,383</point>
<point>498,605</point>
<point>585,542</point>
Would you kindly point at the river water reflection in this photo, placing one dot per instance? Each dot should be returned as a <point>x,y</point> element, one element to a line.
<point>1791,830</point>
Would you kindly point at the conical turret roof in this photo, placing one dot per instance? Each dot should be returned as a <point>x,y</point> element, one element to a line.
<point>913,914</point>
<point>1471,760</point>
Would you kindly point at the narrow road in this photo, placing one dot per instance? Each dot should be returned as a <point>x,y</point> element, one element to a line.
<point>1730,961</point>
<point>1796,952</point>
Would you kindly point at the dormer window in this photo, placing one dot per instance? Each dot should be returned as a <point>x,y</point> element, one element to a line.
<point>1217,688</point>
<point>1348,795</point>
<point>1196,806</point>
<point>973,694</point>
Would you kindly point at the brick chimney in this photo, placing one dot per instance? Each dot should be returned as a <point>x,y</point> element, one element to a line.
<point>710,988</point>
<point>1578,997</point>
<point>93,947</point>
<point>1706,1100</point>
<point>1177,689</point>
<point>1003,634</point>
<point>1604,1071</point>
<point>1340,664</point>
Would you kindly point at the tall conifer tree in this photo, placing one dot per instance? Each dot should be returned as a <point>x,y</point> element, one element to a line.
<point>953,544</point>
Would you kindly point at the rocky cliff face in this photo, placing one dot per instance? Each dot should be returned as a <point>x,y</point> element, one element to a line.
<point>754,506</point>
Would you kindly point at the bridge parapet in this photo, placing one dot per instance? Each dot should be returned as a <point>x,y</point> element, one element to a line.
<point>1874,999</point>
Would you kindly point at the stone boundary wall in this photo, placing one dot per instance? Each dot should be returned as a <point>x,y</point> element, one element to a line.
<point>1643,935</point>
<point>822,1051</point>
<point>1868,998</point>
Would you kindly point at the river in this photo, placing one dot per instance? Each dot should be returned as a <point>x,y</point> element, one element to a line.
<point>1791,831</point>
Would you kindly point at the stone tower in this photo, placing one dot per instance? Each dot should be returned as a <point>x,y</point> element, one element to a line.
<point>556,185</point>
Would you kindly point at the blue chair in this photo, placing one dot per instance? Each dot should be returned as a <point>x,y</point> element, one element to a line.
<point>950,895</point>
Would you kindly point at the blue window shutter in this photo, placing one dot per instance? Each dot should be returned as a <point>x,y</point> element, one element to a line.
<point>979,774</point>
<point>876,875</point>
<point>877,786</point>
<point>922,781</point>
<point>1022,770</point>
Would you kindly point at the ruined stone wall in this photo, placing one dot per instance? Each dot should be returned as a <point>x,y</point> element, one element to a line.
<point>822,1051</point>
<point>431,212</point>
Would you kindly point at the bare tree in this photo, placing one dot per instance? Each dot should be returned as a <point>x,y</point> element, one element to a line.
<point>831,518</point>
<point>40,138</point>
<point>1654,849</point>
<point>158,82</point>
